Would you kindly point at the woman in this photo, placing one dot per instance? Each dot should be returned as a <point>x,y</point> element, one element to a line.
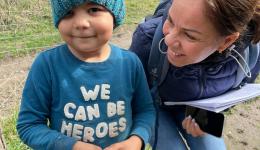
<point>199,35</point>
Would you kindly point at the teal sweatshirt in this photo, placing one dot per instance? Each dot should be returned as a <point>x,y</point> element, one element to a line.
<point>67,100</point>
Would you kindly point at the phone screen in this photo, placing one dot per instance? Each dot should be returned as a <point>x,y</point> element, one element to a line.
<point>210,122</point>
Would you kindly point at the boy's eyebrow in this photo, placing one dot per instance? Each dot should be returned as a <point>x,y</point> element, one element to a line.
<point>186,29</point>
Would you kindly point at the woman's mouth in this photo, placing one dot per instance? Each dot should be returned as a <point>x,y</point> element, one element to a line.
<point>175,53</point>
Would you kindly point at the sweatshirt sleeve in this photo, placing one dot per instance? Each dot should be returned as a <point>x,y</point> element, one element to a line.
<point>143,108</point>
<point>33,119</point>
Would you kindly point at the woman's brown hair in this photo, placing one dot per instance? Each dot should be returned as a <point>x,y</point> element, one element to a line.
<point>230,16</point>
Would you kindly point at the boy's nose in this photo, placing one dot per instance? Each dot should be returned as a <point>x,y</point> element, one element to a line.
<point>81,23</point>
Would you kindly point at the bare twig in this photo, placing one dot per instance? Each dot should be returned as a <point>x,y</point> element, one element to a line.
<point>2,141</point>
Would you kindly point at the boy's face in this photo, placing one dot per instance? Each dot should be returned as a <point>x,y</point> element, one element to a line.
<point>87,29</point>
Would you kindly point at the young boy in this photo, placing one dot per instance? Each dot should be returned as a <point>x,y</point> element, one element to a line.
<point>86,93</point>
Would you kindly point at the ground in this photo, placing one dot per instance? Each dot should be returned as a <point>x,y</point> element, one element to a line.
<point>242,123</point>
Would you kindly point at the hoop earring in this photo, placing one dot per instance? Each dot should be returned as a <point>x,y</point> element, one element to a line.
<point>160,47</point>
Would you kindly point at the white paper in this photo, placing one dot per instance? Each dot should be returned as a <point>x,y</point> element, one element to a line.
<point>222,102</point>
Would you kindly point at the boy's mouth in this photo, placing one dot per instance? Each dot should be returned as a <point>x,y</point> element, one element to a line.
<point>84,37</point>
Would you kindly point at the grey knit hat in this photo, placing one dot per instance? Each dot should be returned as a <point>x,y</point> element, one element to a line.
<point>61,7</point>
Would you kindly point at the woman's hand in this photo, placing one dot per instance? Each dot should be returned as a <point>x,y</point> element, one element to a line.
<point>132,143</point>
<point>83,146</point>
<point>192,127</point>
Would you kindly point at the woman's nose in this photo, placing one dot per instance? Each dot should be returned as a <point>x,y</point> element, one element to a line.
<point>171,39</point>
<point>173,33</point>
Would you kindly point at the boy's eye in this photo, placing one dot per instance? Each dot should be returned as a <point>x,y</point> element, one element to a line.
<point>69,14</point>
<point>94,10</point>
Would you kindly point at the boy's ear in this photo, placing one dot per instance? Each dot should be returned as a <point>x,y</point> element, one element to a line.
<point>228,41</point>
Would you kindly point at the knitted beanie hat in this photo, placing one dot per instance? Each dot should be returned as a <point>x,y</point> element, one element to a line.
<point>61,7</point>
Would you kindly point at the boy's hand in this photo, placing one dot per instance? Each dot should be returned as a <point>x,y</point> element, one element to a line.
<point>192,127</point>
<point>85,146</point>
<point>132,143</point>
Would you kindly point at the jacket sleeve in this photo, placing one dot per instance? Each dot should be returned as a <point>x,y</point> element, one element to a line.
<point>143,107</point>
<point>32,124</point>
<point>142,40</point>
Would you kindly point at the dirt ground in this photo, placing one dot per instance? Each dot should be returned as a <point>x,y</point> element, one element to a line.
<point>242,123</point>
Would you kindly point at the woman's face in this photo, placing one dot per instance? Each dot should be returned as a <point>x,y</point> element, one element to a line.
<point>189,35</point>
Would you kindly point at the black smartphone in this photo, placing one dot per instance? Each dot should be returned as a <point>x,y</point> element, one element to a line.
<point>208,121</point>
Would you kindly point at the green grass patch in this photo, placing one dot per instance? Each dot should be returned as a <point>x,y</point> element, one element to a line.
<point>10,134</point>
<point>137,9</point>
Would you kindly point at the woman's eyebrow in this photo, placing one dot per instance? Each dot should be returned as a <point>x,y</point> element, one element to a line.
<point>186,29</point>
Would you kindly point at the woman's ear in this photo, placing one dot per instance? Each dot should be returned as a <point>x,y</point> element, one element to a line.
<point>228,40</point>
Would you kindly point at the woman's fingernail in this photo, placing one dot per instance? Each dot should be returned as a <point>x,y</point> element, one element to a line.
<point>193,120</point>
<point>189,117</point>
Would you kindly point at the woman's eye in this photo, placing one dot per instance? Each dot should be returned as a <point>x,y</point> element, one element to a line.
<point>190,37</point>
<point>170,21</point>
